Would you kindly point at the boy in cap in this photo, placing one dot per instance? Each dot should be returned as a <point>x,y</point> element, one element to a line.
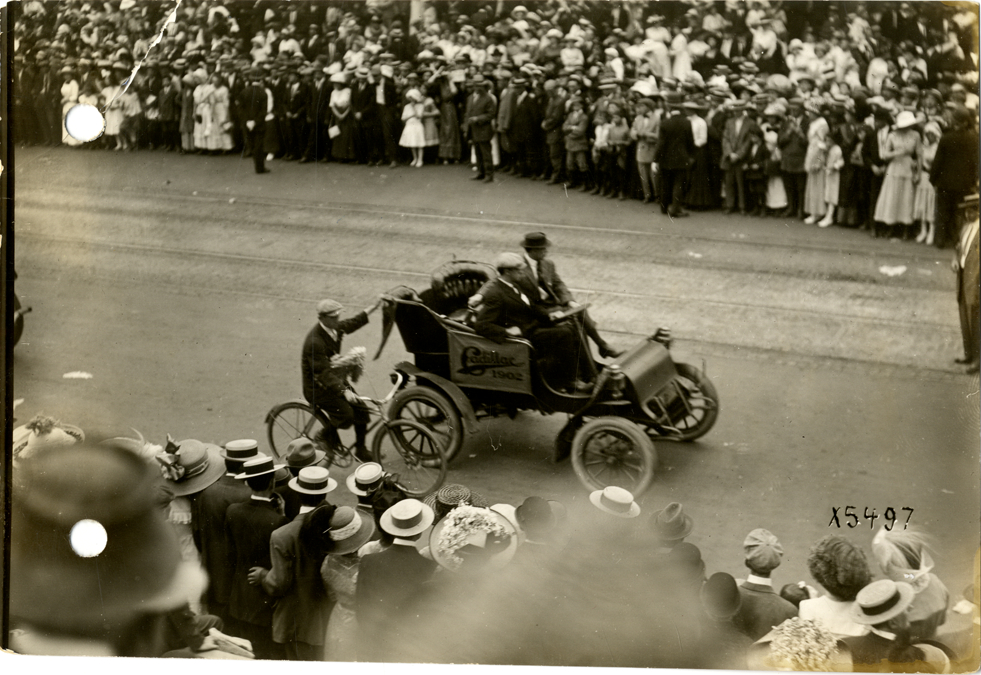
<point>322,387</point>
<point>761,608</point>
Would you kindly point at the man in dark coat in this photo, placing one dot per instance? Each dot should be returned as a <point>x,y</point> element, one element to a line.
<point>478,123</point>
<point>526,130</point>
<point>507,311</point>
<point>674,155</point>
<point>552,124</point>
<point>954,173</point>
<point>249,525</point>
<point>736,144</point>
<point>966,265</point>
<point>208,524</point>
<point>302,607</point>
<point>365,111</point>
<point>317,117</point>
<point>388,580</point>
<point>322,387</point>
<point>253,106</point>
<point>792,142</point>
<point>297,102</point>
<point>761,608</point>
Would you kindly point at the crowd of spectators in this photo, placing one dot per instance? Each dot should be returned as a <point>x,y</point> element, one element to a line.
<point>224,552</point>
<point>826,111</point>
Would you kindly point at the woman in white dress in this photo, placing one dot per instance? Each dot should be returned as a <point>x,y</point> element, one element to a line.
<point>114,112</point>
<point>69,98</point>
<point>219,138</point>
<point>202,114</point>
<point>902,147</point>
<point>413,132</point>
<point>814,162</point>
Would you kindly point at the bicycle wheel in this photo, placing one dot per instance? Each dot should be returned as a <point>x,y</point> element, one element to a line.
<point>292,420</point>
<point>411,453</point>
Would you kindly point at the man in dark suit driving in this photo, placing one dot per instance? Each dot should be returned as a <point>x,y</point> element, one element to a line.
<point>325,389</point>
<point>508,311</point>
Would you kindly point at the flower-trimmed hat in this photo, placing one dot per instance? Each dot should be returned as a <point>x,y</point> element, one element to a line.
<point>190,466</point>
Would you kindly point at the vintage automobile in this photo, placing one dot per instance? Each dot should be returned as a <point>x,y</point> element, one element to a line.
<point>459,377</point>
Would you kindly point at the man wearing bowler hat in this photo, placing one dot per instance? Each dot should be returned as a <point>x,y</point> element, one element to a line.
<point>322,387</point>
<point>208,524</point>
<point>249,525</point>
<point>675,155</point>
<point>387,580</point>
<point>300,617</point>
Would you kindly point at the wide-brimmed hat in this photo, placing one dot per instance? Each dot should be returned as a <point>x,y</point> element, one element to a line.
<point>880,601</point>
<point>475,543</point>
<point>450,496</point>
<point>302,452</point>
<point>192,468</point>
<point>259,466</point>
<point>241,450</point>
<point>365,479</point>
<point>313,480</point>
<point>535,240</point>
<point>720,596</point>
<point>905,120</point>
<point>672,523</point>
<point>338,78</point>
<point>349,531</point>
<point>674,99</point>
<point>616,501</point>
<point>139,570</point>
<point>407,518</point>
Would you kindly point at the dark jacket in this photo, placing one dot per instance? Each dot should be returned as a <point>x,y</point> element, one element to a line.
<point>676,145</point>
<point>318,378</point>
<point>478,120</point>
<point>955,167</point>
<point>760,610</point>
<point>253,105</point>
<point>502,308</point>
<point>793,146</point>
<point>386,583</point>
<point>249,526</point>
<point>554,116</point>
<point>210,537</point>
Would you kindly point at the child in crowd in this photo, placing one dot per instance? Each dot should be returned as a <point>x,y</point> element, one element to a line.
<point>924,206</point>
<point>576,145</point>
<point>618,139</point>
<point>754,168</point>
<point>601,150</point>
<point>832,177</point>
<point>776,194</point>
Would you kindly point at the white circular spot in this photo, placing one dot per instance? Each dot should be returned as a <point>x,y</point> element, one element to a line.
<point>84,122</point>
<point>88,538</point>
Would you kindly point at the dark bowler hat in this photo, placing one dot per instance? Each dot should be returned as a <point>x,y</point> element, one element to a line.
<point>536,240</point>
<point>720,596</point>
<point>674,98</point>
<point>480,81</point>
<point>302,452</point>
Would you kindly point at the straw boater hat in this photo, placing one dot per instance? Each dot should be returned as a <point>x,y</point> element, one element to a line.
<point>365,479</point>
<point>407,518</point>
<point>672,523</point>
<point>449,497</point>
<point>192,468</point>
<point>241,450</point>
<point>258,466</point>
<point>302,452</point>
<point>313,480</point>
<point>880,601</point>
<point>616,501</point>
<point>349,531</point>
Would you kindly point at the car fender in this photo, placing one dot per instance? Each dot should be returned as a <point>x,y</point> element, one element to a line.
<point>446,387</point>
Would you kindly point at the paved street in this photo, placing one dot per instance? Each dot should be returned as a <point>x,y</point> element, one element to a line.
<point>185,286</point>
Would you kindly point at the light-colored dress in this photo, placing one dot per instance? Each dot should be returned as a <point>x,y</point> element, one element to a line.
<point>340,577</point>
<point>832,174</point>
<point>833,615</point>
<point>218,137</point>
<point>114,115</point>
<point>814,164</point>
<point>69,98</point>
<point>202,114</point>
<point>895,204</point>
<point>429,125</point>
<point>413,133</point>
<point>925,203</point>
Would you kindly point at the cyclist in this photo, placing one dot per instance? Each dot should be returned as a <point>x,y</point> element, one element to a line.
<point>327,389</point>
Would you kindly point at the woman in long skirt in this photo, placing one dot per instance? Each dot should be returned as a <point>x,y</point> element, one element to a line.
<point>449,123</point>
<point>203,114</point>
<point>924,206</point>
<point>895,204</point>
<point>814,161</point>
<point>69,98</point>
<point>188,83</point>
<point>342,144</point>
<point>349,531</point>
<point>220,137</point>
<point>699,184</point>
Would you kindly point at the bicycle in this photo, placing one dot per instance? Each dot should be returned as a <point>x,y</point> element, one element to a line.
<point>406,449</point>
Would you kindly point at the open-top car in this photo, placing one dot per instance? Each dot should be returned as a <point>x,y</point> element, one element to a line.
<point>458,377</point>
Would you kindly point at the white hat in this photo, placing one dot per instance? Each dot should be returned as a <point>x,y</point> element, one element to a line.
<point>407,518</point>
<point>615,500</point>
<point>365,479</point>
<point>905,120</point>
<point>313,480</point>
<point>880,601</point>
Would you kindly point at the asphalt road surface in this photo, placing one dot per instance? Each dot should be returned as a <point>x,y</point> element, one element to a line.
<point>185,287</point>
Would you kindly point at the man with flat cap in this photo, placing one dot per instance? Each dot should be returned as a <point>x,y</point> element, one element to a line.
<point>761,608</point>
<point>508,311</point>
<point>322,387</point>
